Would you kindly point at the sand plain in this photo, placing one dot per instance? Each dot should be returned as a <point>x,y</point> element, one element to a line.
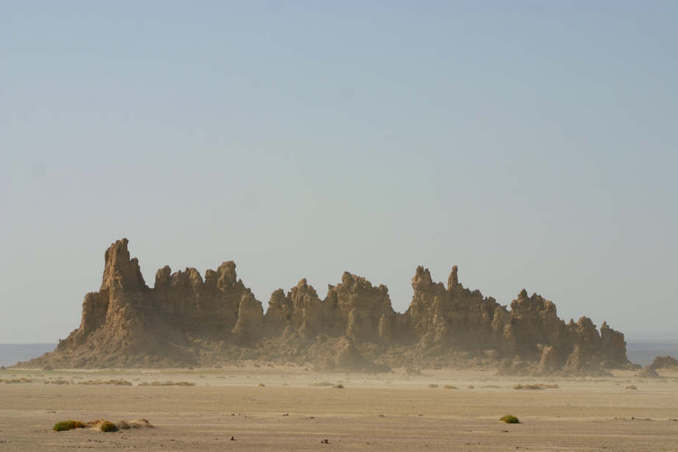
<point>288,408</point>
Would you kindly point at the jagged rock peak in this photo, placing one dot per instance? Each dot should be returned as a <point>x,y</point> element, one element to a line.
<point>422,278</point>
<point>226,276</point>
<point>352,282</point>
<point>120,271</point>
<point>453,280</point>
<point>162,277</point>
<point>303,284</point>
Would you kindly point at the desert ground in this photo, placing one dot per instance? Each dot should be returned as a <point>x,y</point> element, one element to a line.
<point>256,407</point>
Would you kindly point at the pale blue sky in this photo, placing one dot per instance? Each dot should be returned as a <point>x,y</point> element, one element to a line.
<point>534,144</point>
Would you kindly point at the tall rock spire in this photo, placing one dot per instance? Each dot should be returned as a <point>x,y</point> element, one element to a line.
<point>453,280</point>
<point>120,271</point>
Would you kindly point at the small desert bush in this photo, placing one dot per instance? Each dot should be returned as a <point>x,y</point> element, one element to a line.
<point>67,425</point>
<point>139,423</point>
<point>136,423</point>
<point>106,382</point>
<point>433,386</point>
<point>632,387</point>
<point>450,387</point>
<point>16,380</point>
<point>167,383</point>
<point>510,419</point>
<point>322,383</point>
<point>123,425</point>
<point>339,386</point>
<point>537,386</point>
<point>107,427</point>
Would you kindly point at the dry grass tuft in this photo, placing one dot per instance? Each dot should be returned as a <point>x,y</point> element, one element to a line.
<point>136,423</point>
<point>16,380</point>
<point>102,425</point>
<point>106,382</point>
<point>450,387</point>
<point>141,423</point>
<point>167,383</point>
<point>123,425</point>
<point>537,386</point>
<point>57,382</point>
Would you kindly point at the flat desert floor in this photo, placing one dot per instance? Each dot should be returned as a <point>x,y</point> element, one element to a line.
<point>261,408</point>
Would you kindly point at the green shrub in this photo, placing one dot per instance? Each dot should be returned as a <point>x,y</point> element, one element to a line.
<point>108,426</point>
<point>510,419</point>
<point>67,425</point>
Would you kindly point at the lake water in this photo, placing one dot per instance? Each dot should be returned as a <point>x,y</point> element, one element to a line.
<point>638,352</point>
<point>12,353</point>
<point>644,352</point>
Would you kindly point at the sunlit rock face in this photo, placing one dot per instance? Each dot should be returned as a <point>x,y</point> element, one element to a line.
<point>188,319</point>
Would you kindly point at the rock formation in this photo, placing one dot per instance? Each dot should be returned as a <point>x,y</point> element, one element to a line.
<point>187,320</point>
<point>664,362</point>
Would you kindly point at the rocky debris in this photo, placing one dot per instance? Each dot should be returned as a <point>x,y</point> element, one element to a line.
<point>664,362</point>
<point>186,320</point>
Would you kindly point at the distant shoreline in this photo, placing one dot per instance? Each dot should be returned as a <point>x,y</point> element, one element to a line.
<point>10,354</point>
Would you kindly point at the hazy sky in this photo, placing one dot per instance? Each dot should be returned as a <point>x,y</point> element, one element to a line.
<point>534,144</point>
